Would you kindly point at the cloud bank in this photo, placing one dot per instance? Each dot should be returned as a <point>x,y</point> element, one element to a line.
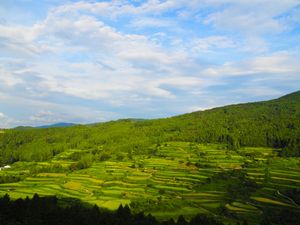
<point>91,61</point>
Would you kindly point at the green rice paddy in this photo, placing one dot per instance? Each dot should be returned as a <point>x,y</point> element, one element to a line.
<point>177,179</point>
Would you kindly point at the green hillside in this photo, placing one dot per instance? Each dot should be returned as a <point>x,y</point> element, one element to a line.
<point>234,163</point>
<point>274,123</point>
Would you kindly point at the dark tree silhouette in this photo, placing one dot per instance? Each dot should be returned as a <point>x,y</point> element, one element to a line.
<point>48,211</point>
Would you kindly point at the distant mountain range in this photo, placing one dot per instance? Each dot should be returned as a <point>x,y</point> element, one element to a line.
<point>58,125</point>
<point>62,124</point>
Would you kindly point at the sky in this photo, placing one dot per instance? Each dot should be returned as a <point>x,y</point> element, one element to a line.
<point>95,61</point>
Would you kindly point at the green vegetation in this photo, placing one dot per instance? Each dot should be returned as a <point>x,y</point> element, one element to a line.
<point>233,185</point>
<point>50,210</point>
<point>235,163</point>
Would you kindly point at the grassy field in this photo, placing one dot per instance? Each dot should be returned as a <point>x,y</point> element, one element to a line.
<point>179,178</point>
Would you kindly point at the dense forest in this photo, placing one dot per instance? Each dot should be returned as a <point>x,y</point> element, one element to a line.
<point>274,123</point>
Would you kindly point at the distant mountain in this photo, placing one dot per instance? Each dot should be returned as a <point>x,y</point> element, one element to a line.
<point>23,127</point>
<point>58,125</point>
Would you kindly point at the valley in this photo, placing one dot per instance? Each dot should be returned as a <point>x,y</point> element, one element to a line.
<point>235,164</point>
<point>178,178</point>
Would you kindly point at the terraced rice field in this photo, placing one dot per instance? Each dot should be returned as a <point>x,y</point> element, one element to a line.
<point>179,178</point>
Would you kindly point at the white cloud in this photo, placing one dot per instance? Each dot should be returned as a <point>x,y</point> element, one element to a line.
<point>97,52</point>
<point>199,108</point>
<point>8,78</point>
<point>45,117</point>
<point>213,42</point>
<point>37,112</point>
<point>251,17</point>
<point>258,91</point>
<point>254,45</point>
<point>131,59</point>
<point>276,63</point>
<point>151,22</point>
<point>5,121</point>
<point>247,16</point>
<point>119,7</point>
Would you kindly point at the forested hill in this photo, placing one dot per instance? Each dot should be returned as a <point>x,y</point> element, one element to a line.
<point>274,123</point>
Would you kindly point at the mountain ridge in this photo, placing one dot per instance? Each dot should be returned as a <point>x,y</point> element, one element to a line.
<point>274,123</point>
<point>61,124</point>
<point>294,96</point>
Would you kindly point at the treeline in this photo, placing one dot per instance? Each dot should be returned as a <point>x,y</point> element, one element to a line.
<point>273,123</point>
<point>48,211</point>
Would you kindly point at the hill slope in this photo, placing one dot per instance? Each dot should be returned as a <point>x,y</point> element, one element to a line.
<point>274,123</point>
<point>165,167</point>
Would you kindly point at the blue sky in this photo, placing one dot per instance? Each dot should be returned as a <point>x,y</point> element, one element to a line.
<point>92,61</point>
